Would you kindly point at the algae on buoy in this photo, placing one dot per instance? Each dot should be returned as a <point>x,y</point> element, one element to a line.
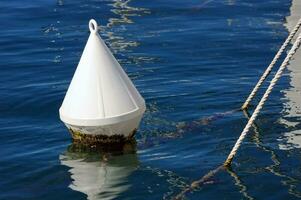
<point>101,101</point>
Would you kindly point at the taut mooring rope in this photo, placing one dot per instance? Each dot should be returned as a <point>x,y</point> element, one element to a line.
<point>251,120</point>
<point>263,100</point>
<point>272,64</point>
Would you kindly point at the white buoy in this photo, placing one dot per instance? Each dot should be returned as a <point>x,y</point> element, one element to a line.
<point>101,101</point>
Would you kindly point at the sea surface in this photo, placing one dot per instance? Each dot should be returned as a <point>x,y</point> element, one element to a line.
<point>194,62</point>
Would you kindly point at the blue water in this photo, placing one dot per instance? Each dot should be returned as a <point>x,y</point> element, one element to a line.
<point>193,61</point>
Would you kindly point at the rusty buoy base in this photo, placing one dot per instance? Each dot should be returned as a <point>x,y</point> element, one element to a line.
<point>103,142</point>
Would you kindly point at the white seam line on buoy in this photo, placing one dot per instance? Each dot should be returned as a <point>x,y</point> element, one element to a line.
<point>129,93</point>
<point>93,26</point>
<point>99,92</point>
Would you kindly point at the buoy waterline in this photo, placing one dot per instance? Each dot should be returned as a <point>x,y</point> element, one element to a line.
<point>101,103</point>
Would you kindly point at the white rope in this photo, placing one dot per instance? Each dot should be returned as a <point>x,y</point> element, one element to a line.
<point>263,100</point>
<point>251,120</point>
<point>272,64</point>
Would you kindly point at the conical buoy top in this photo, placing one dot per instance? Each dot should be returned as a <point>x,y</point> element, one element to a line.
<point>100,92</point>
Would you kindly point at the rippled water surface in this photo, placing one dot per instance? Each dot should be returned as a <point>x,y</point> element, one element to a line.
<point>193,61</point>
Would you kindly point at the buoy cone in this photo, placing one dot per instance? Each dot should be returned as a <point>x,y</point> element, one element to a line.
<point>101,103</point>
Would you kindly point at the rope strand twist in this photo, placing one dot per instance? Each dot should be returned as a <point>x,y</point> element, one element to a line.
<point>263,100</point>
<point>251,120</point>
<point>272,64</point>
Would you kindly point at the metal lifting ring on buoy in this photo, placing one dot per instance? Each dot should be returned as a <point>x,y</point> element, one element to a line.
<point>93,26</point>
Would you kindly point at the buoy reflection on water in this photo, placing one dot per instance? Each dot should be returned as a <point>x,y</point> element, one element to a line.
<point>98,174</point>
